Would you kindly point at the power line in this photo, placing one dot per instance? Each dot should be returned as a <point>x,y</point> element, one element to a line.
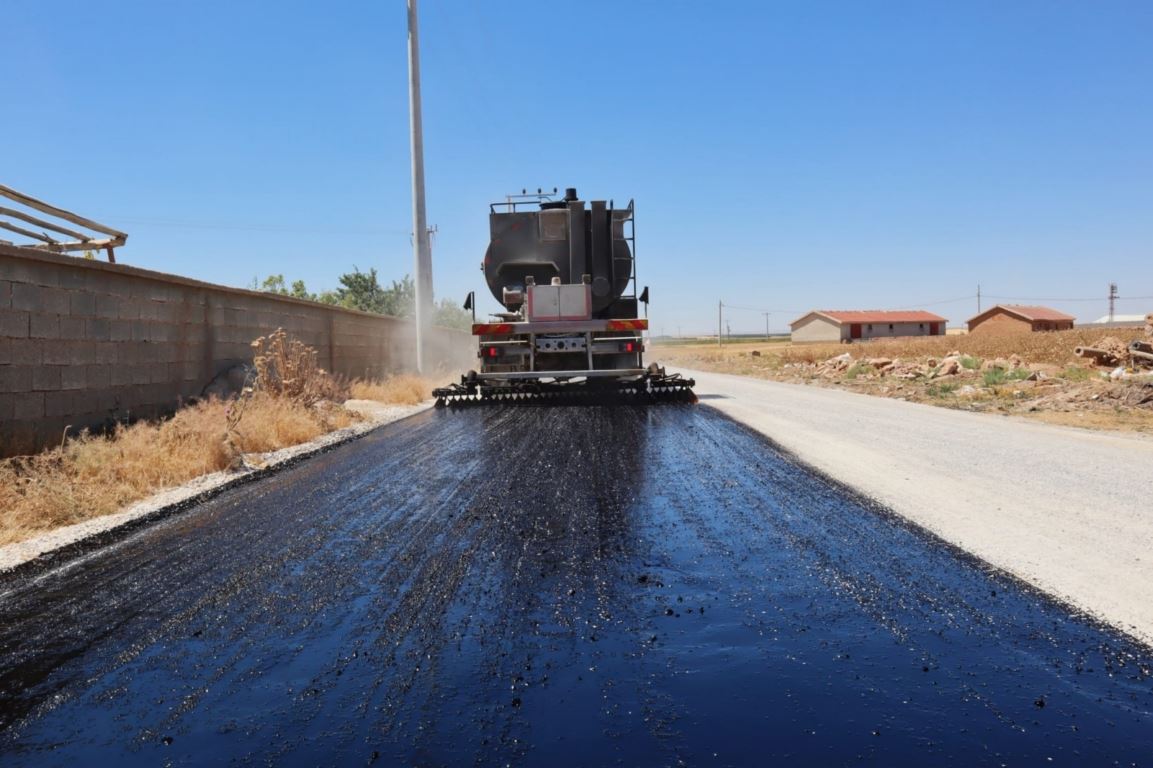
<point>1096,298</point>
<point>938,303</point>
<point>257,227</point>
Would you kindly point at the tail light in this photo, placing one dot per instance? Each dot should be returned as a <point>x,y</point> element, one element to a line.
<point>490,352</point>
<point>632,346</point>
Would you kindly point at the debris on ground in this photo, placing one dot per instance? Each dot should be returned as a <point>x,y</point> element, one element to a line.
<point>1080,377</point>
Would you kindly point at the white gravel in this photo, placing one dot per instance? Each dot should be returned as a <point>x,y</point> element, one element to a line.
<point>1069,511</point>
<point>172,499</point>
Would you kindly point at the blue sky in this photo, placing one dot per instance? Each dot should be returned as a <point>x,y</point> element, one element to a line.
<point>783,155</point>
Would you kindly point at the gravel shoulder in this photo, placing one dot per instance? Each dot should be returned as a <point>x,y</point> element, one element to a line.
<point>174,499</point>
<point>1066,510</point>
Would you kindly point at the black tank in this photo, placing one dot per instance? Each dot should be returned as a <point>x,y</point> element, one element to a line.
<point>562,239</point>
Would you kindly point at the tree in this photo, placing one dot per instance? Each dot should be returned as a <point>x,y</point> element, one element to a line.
<point>400,298</point>
<point>448,314</point>
<point>300,292</point>
<point>274,284</point>
<point>361,290</point>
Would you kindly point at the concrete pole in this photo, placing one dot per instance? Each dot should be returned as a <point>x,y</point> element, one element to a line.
<point>422,258</point>
<point>720,304</point>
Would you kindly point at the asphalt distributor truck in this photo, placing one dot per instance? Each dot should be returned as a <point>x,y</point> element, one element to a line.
<point>572,326</point>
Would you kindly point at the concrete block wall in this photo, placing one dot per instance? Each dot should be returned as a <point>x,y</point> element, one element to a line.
<point>86,343</point>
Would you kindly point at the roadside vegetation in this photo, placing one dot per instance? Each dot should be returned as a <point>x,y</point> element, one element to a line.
<point>363,291</point>
<point>290,400</point>
<point>1033,374</point>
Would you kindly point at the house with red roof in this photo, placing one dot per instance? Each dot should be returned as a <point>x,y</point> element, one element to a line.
<point>838,325</point>
<point>1012,318</point>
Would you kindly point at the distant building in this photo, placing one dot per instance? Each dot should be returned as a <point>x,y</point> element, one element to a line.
<point>836,325</point>
<point>1010,318</point>
<point>1120,320</point>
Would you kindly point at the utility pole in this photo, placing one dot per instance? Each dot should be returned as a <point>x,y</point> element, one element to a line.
<point>766,314</point>
<point>1112,299</point>
<point>422,257</point>
<point>720,306</point>
<point>978,298</point>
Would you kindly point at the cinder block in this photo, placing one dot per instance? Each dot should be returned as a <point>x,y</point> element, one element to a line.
<point>121,330</point>
<point>81,303</point>
<point>39,298</point>
<point>57,404</point>
<point>5,294</point>
<point>97,329</point>
<point>15,378</point>
<point>120,375</point>
<point>29,406</point>
<point>73,328</point>
<point>98,375</point>
<point>7,414</point>
<point>21,351</point>
<point>46,377</point>
<point>175,312</point>
<point>141,330</point>
<point>85,407</point>
<point>128,309</point>
<point>107,305</point>
<point>73,377</point>
<point>76,278</point>
<point>124,352</point>
<point>44,326</point>
<point>57,352</point>
<point>20,270</point>
<point>26,296</point>
<point>14,324</point>
<point>159,373</point>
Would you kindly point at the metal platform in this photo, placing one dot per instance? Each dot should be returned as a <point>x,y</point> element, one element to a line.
<point>623,387</point>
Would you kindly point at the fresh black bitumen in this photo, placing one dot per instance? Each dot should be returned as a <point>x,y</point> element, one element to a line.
<point>553,587</point>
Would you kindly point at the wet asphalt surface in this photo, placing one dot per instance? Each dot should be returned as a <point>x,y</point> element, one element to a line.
<point>561,586</point>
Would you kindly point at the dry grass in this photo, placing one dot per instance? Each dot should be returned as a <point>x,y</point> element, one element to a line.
<point>1073,391</point>
<point>290,402</point>
<point>1055,348</point>
<point>286,367</point>
<point>95,475</point>
<point>402,389</point>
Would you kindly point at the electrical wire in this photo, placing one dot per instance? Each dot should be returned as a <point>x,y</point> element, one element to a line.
<point>1096,298</point>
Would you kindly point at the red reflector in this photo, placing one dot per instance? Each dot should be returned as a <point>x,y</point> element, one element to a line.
<point>630,347</point>
<point>640,324</point>
<point>490,351</point>
<point>482,329</point>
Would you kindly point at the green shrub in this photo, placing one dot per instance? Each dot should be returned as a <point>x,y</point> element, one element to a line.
<point>995,377</point>
<point>856,370</point>
<point>968,362</point>
<point>942,389</point>
<point>1076,373</point>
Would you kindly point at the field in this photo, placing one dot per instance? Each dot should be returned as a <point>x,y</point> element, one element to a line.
<point>1033,374</point>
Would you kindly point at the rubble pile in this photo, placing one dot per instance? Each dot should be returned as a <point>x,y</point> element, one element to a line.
<point>951,365</point>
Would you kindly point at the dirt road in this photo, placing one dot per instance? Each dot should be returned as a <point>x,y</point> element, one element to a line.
<point>1067,510</point>
<point>553,587</point>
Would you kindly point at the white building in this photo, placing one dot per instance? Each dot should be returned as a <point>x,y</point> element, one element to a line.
<point>837,325</point>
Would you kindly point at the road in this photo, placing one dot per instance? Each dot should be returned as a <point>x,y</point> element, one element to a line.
<point>1067,510</point>
<point>554,586</point>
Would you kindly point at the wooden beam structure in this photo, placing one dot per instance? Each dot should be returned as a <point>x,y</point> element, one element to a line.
<point>45,241</point>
